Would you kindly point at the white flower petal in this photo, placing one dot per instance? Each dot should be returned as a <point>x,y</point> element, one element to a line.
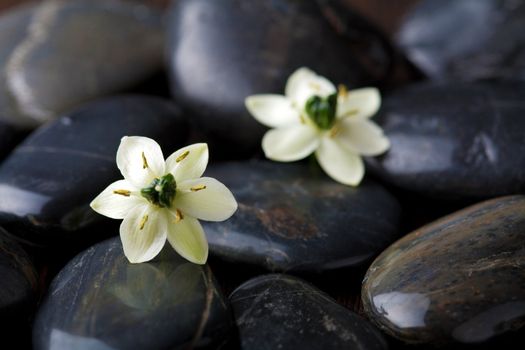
<point>290,143</point>
<point>206,199</point>
<point>117,200</point>
<point>140,160</point>
<point>272,110</point>
<point>295,81</point>
<point>362,136</point>
<point>359,103</point>
<point>303,84</point>
<point>188,239</point>
<point>339,163</point>
<point>143,233</point>
<point>189,162</point>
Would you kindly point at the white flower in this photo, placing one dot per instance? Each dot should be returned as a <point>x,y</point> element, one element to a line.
<point>162,200</point>
<point>314,117</point>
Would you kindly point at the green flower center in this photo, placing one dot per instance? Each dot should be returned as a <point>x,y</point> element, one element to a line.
<point>161,191</point>
<point>322,111</point>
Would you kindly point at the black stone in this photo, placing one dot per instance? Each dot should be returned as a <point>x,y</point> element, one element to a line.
<point>458,140</point>
<point>9,137</point>
<point>18,287</point>
<point>292,217</point>
<point>100,301</point>
<point>466,40</point>
<point>459,279</point>
<point>284,312</point>
<point>47,183</point>
<point>58,54</point>
<point>222,51</point>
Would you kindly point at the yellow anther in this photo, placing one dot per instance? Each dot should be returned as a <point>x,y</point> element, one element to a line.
<point>302,119</point>
<point>124,193</point>
<point>143,221</point>
<point>334,131</point>
<point>144,161</point>
<point>351,113</point>
<point>198,188</point>
<point>182,156</point>
<point>342,90</point>
<point>178,216</point>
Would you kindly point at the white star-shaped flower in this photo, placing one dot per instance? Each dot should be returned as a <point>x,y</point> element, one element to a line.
<point>314,117</point>
<point>161,200</point>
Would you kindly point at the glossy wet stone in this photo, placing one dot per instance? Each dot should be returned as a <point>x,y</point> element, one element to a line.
<point>284,312</point>
<point>18,287</point>
<point>62,53</point>
<point>458,279</point>
<point>47,183</point>
<point>222,51</point>
<point>293,217</point>
<point>455,140</point>
<point>466,40</point>
<point>101,301</point>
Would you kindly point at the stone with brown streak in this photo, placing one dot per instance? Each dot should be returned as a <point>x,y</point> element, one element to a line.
<point>459,279</point>
<point>101,301</point>
<point>293,217</point>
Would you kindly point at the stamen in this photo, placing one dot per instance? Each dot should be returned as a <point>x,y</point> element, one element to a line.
<point>143,222</point>
<point>302,119</point>
<point>334,131</point>
<point>124,193</point>
<point>198,188</point>
<point>351,113</point>
<point>342,90</point>
<point>144,161</point>
<point>178,216</point>
<point>182,156</point>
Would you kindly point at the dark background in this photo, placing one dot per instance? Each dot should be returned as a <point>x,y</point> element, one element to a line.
<point>386,14</point>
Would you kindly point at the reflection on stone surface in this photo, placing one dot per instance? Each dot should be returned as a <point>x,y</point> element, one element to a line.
<point>21,202</point>
<point>63,340</point>
<point>404,310</point>
<point>457,279</point>
<point>101,301</point>
<point>284,312</point>
<point>293,217</point>
<point>454,140</point>
<point>146,287</point>
<point>49,180</point>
